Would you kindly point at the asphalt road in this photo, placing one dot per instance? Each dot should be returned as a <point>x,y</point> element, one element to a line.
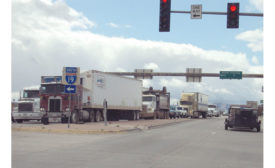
<point>191,144</point>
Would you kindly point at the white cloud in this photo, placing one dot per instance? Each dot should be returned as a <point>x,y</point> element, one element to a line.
<point>255,60</point>
<point>147,83</point>
<point>152,65</point>
<point>174,101</point>
<point>257,4</point>
<point>254,39</point>
<point>173,83</point>
<point>113,25</point>
<point>48,36</point>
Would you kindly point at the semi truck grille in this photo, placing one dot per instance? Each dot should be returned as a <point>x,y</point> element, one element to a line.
<point>54,105</point>
<point>24,107</point>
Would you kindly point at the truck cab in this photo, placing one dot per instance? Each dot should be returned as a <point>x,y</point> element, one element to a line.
<point>212,110</point>
<point>181,111</point>
<point>28,107</point>
<point>149,103</point>
<point>54,101</point>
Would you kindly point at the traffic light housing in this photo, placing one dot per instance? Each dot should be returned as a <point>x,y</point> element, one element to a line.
<point>164,16</point>
<point>233,15</point>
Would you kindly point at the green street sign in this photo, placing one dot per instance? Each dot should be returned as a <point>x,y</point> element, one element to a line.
<point>231,75</point>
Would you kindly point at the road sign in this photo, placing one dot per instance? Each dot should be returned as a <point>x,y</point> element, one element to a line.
<point>70,79</point>
<point>193,74</point>
<point>196,11</point>
<point>70,89</point>
<point>71,76</point>
<point>231,75</point>
<point>144,73</point>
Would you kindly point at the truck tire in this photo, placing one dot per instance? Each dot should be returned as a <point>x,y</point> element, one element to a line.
<point>19,121</point>
<point>75,117</point>
<point>155,116</point>
<point>135,115</point>
<point>138,115</point>
<point>258,128</point>
<point>45,120</point>
<point>64,119</point>
<point>97,116</point>
<point>92,116</point>
<point>226,127</point>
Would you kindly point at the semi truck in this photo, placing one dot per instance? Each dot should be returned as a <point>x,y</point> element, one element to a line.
<point>195,103</point>
<point>213,111</point>
<point>28,106</point>
<point>123,96</point>
<point>155,104</point>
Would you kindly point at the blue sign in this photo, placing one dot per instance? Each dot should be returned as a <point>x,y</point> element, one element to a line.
<point>70,79</point>
<point>51,79</point>
<point>70,89</point>
<point>71,70</point>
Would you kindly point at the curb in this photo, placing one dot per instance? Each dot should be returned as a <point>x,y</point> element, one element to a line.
<point>70,131</point>
<point>79,131</point>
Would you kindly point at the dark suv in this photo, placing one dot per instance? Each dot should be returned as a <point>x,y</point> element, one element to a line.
<point>242,117</point>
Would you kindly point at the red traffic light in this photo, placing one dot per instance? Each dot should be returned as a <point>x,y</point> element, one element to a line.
<point>164,1</point>
<point>233,8</point>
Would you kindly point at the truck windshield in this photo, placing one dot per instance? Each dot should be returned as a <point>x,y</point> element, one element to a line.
<point>185,103</point>
<point>31,94</point>
<point>52,88</point>
<point>179,108</point>
<point>147,98</point>
<point>211,106</point>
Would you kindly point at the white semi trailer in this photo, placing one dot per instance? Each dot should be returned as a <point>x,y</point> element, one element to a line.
<point>123,96</point>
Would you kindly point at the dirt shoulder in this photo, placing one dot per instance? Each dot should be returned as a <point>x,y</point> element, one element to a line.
<point>99,127</point>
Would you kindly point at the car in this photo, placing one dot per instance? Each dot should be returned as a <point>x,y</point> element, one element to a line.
<point>242,117</point>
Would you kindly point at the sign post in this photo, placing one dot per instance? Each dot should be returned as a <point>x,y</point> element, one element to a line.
<point>105,111</point>
<point>70,79</point>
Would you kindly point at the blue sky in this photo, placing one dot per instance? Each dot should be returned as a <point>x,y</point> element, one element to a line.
<point>123,35</point>
<point>140,20</point>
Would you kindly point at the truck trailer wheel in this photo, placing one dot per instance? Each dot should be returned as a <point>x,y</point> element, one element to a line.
<point>155,116</point>
<point>97,116</point>
<point>138,115</point>
<point>75,117</point>
<point>19,121</point>
<point>92,116</point>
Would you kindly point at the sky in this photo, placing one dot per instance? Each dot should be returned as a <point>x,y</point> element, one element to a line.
<point>108,35</point>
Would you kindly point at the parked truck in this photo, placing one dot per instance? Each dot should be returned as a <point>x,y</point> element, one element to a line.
<point>123,96</point>
<point>28,106</point>
<point>155,104</point>
<point>213,111</point>
<point>195,103</point>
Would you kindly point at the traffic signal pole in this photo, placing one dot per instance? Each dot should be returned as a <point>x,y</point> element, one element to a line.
<point>222,13</point>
